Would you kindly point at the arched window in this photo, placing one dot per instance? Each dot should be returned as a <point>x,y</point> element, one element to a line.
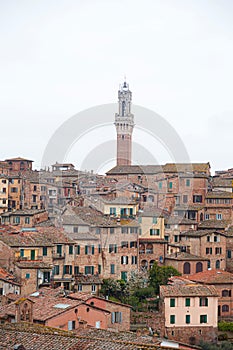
<point>149,248</point>
<point>144,265</point>
<point>151,263</point>
<point>199,267</point>
<point>217,264</point>
<point>142,248</point>
<point>186,269</point>
<point>225,308</point>
<point>225,293</point>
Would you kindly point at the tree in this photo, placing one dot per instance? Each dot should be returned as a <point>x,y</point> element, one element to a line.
<point>159,275</point>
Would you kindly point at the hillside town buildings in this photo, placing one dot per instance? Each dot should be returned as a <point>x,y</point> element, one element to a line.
<point>62,231</point>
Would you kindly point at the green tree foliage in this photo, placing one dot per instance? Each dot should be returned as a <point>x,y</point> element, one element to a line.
<point>225,326</point>
<point>159,275</point>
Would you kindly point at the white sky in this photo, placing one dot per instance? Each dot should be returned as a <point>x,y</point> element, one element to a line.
<point>60,57</point>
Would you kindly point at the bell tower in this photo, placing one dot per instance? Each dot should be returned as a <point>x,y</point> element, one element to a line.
<point>124,122</point>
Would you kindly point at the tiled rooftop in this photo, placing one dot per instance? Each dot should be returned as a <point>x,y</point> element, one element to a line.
<point>191,289</point>
<point>43,236</point>
<point>212,277</point>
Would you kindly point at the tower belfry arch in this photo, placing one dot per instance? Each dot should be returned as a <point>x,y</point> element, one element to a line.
<point>124,122</point>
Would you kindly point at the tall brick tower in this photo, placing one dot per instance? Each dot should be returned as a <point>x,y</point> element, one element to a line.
<point>124,122</point>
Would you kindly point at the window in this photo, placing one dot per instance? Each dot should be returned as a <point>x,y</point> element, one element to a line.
<point>207,216</point>
<point>78,250</point>
<point>99,269</point>
<point>197,199</point>
<point>172,302</point>
<point>134,260</point>
<point>140,220</point>
<point>80,287</point>
<point>112,248</point>
<point>124,260</point>
<point>187,302</point>
<point>93,288</point>
<point>112,211</point>
<point>154,232</point>
<point>229,254</point>
<point>203,301</point>
<point>71,249</point>
<point>176,238</point>
<point>187,182</point>
<point>89,270</point>
<point>160,185</point>
<point>216,239</point>
<point>112,269</point>
<point>67,269</point>
<point>76,270</point>
<point>155,220</point>
<point>133,230</point>
<point>225,293</point>
<point>185,198</point>
<point>219,216</point>
<point>208,238</point>
<point>97,230</point>
<point>16,220</point>
<point>218,250</point>
<point>124,275</point>
<point>75,229</point>
<point>21,253</point>
<point>34,188</point>
<point>208,250</point>
<point>27,275</point>
<point>112,230</point>
<point>59,249</point>
<point>99,248</point>
<point>186,268</point>
<point>199,267</point>
<point>203,318</point>
<point>172,319</point>
<point>124,230</point>
<point>56,269</point>
<point>27,220</point>
<point>89,250</point>
<point>45,251</point>
<point>225,308</point>
<point>71,325</point>
<point>170,185</point>
<point>133,244</point>
<point>217,264</point>
<point>187,319</point>
<point>43,188</point>
<point>124,244</point>
<point>116,317</point>
<point>14,189</point>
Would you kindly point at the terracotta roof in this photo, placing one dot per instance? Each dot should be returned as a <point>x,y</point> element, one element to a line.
<point>180,220</point>
<point>28,212</point>
<point>219,194</point>
<point>185,256</point>
<point>199,233</point>
<point>86,279</point>
<point>212,277</point>
<point>18,159</point>
<point>186,167</point>
<point>214,224</point>
<point>7,277</point>
<point>42,236</point>
<point>135,169</point>
<point>186,290</point>
<point>221,182</point>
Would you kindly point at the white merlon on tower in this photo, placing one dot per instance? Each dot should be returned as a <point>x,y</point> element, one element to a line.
<point>124,122</point>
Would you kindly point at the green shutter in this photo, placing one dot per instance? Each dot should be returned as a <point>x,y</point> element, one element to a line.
<point>187,302</point>
<point>70,269</point>
<point>86,249</point>
<point>172,302</point>
<point>45,251</point>
<point>78,249</point>
<point>92,270</point>
<point>172,319</point>
<point>187,319</point>
<point>99,269</point>
<point>92,250</point>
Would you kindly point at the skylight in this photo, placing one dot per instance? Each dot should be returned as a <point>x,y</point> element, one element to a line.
<point>61,306</point>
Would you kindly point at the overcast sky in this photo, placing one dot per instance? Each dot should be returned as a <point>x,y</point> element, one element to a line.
<point>60,57</point>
